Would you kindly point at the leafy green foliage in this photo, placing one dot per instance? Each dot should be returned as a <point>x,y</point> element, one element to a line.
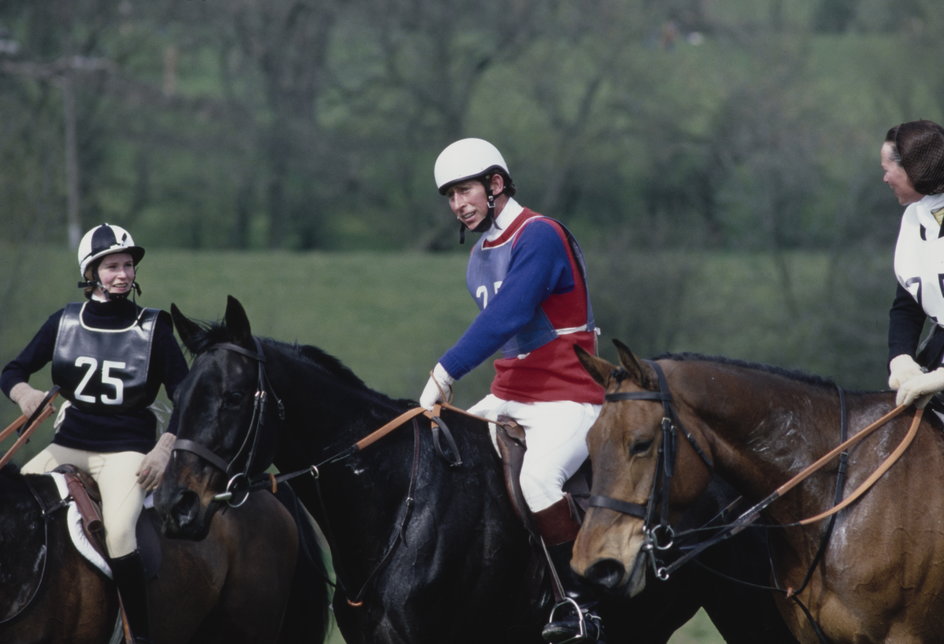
<point>298,126</point>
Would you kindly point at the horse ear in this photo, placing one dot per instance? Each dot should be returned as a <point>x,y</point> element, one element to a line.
<point>187,329</point>
<point>641,375</point>
<point>237,322</point>
<point>598,368</point>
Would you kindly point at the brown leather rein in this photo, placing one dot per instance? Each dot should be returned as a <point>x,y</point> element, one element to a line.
<point>750,515</point>
<point>271,481</point>
<point>26,426</point>
<point>875,476</point>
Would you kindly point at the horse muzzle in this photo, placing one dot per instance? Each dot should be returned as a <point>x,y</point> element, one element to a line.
<point>183,517</point>
<point>612,575</point>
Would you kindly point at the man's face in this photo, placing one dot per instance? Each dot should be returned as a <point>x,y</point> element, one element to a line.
<point>468,202</point>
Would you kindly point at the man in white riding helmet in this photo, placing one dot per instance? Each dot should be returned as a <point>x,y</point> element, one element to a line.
<point>528,277</point>
<point>109,357</point>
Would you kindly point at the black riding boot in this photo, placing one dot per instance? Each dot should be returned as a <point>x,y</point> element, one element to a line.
<point>132,588</point>
<point>574,619</point>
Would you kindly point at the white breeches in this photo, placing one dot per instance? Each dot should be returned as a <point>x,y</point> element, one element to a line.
<point>116,475</point>
<point>556,434</point>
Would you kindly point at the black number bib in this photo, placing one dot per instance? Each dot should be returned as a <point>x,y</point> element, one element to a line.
<point>103,370</point>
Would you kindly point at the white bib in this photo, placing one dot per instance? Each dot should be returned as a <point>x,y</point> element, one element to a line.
<point>919,256</point>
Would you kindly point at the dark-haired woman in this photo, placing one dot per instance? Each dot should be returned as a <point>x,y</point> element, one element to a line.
<point>913,163</point>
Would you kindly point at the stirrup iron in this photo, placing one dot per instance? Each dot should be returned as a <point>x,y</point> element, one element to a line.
<point>572,604</point>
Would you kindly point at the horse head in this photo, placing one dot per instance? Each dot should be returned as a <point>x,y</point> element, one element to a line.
<point>634,451</point>
<point>222,410</point>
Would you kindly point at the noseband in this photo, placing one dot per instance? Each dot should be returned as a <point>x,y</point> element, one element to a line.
<point>238,485</point>
<point>659,534</point>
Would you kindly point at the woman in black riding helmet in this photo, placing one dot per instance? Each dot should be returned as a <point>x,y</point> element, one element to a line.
<point>110,357</point>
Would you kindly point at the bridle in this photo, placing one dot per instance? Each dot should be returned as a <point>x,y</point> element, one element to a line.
<point>237,469</point>
<point>659,535</point>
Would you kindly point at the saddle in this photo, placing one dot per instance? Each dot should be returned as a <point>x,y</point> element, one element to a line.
<point>84,492</point>
<point>510,437</point>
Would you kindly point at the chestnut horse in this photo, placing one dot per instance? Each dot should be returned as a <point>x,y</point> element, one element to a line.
<point>426,546</point>
<point>874,573</point>
<point>233,586</point>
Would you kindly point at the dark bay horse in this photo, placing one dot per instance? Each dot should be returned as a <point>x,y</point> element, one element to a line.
<point>425,543</point>
<point>232,587</point>
<point>877,575</point>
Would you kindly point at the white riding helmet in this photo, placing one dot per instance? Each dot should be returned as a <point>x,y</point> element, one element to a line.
<point>105,240</point>
<point>467,159</point>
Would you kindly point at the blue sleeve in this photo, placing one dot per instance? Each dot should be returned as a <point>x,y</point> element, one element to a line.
<point>36,355</point>
<point>540,266</point>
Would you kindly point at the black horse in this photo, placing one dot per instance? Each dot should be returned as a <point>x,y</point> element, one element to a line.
<point>234,586</point>
<point>425,544</point>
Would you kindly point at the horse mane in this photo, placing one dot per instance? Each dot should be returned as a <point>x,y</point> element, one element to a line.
<point>213,333</point>
<point>323,359</point>
<point>792,374</point>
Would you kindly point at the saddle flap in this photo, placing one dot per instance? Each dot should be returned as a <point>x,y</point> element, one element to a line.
<point>84,491</point>
<point>88,502</point>
<point>512,446</point>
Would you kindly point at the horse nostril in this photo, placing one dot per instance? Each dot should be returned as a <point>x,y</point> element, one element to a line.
<point>606,572</point>
<point>183,511</point>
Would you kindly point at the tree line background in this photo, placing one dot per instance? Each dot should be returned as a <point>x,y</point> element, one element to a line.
<point>659,130</point>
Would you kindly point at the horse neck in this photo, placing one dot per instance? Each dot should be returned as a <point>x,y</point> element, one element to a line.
<point>761,427</point>
<point>362,501</point>
<point>15,491</point>
<point>326,406</point>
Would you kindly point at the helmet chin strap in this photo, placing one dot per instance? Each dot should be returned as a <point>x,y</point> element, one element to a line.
<point>109,296</point>
<point>486,222</point>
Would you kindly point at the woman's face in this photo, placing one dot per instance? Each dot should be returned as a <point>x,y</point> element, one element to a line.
<point>896,177</point>
<point>116,273</point>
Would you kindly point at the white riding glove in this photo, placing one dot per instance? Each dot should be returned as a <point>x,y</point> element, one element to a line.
<point>154,463</point>
<point>27,397</point>
<point>901,369</point>
<point>921,385</point>
<point>438,388</point>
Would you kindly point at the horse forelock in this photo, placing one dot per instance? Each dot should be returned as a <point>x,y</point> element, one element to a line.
<point>208,335</point>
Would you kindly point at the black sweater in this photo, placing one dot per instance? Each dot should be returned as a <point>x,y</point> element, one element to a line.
<point>128,431</point>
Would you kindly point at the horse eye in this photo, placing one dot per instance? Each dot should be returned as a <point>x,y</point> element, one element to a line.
<point>640,447</point>
<point>232,398</point>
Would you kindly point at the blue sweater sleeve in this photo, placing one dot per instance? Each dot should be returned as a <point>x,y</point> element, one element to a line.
<point>539,267</point>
